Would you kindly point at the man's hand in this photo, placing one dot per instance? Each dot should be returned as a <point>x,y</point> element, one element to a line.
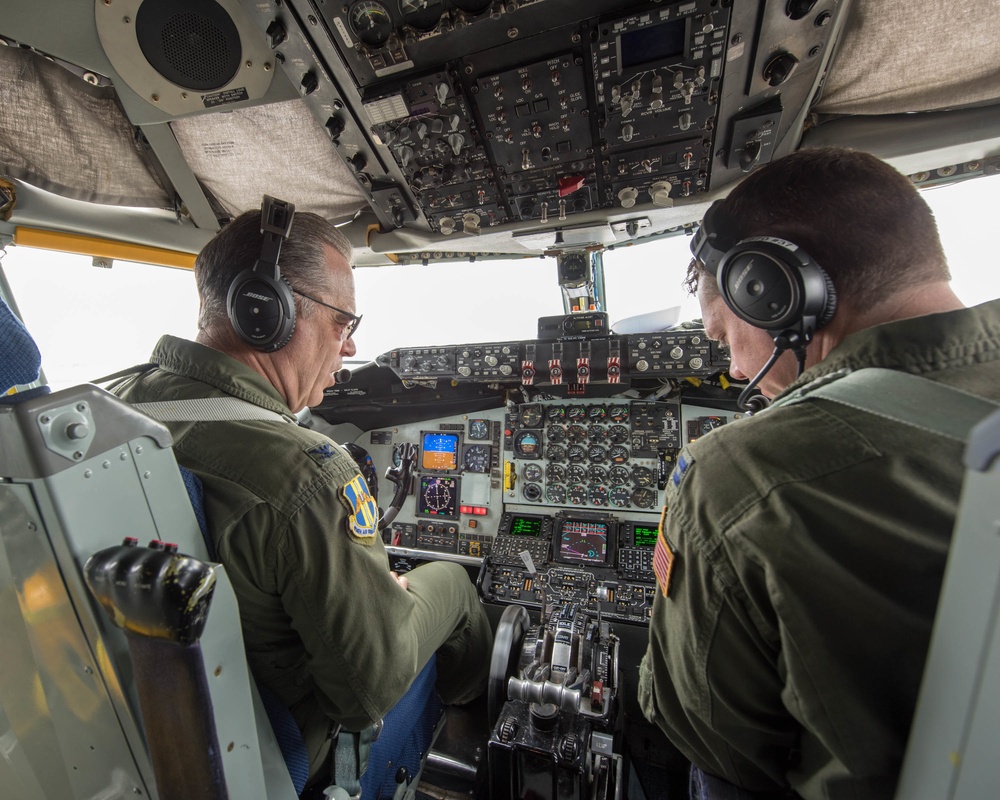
<point>400,579</point>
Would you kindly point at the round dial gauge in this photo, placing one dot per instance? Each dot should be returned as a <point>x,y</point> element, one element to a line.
<point>526,444</point>
<point>619,475</point>
<point>620,497</point>
<point>618,412</point>
<point>556,452</point>
<point>577,494</point>
<point>371,22</point>
<point>556,494</point>
<point>618,454</point>
<point>618,434</point>
<point>556,433</point>
<point>577,473</point>
<point>597,413</point>
<point>477,458</point>
<point>644,498</point>
<point>479,429</point>
<point>597,434</point>
<point>438,495</point>
<point>532,472</point>
<point>597,474</point>
<point>576,453</point>
<point>576,413</point>
<point>531,416</point>
<point>642,476</point>
<point>555,473</point>
<point>532,492</point>
<point>397,455</point>
<point>555,413</point>
<point>598,495</point>
<point>596,453</point>
<point>576,434</point>
<point>421,14</point>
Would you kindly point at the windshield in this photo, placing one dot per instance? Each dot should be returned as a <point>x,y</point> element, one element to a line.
<point>90,321</point>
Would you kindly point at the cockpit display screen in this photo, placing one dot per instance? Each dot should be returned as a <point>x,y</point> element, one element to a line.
<point>438,497</point>
<point>584,540</point>
<point>439,451</point>
<point>525,526</point>
<point>653,43</point>
<point>645,536</point>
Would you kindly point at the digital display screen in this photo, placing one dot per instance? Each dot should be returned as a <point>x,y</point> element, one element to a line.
<point>652,43</point>
<point>645,536</point>
<point>439,451</point>
<point>438,497</point>
<point>584,540</point>
<point>525,526</point>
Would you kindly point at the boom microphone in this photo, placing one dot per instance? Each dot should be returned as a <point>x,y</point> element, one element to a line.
<point>342,376</point>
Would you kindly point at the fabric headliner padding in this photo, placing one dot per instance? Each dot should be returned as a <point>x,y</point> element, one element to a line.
<point>68,137</point>
<point>875,70</point>
<point>278,149</point>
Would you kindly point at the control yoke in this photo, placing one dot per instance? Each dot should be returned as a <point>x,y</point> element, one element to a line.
<point>402,477</point>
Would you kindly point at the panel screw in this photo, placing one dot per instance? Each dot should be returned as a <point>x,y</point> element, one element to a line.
<point>737,38</point>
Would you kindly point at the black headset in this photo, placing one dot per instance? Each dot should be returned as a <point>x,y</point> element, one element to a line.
<point>260,302</point>
<point>768,282</point>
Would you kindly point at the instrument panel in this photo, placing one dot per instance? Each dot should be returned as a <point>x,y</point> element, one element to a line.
<point>458,116</point>
<point>575,485</point>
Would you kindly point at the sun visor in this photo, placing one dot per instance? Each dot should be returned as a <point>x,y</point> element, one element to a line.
<point>64,135</point>
<point>278,149</point>
<point>885,66</point>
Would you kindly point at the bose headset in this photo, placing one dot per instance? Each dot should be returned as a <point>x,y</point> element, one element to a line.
<point>260,302</point>
<point>769,283</point>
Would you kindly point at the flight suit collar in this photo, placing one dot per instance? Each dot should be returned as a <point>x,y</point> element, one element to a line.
<point>921,345</point>
<point>225,373</point>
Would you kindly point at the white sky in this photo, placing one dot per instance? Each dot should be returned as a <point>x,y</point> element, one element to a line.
<point>90,321</point>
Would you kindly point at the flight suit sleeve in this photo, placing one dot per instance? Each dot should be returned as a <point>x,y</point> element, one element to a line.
<point>366,637</point>
<point>711,677</point>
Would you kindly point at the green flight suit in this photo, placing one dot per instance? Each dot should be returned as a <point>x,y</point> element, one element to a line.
<point>809,547</point>
<point>325,624</point>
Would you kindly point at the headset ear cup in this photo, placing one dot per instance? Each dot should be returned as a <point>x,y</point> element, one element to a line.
<point>261,310</point>
<point>830,304</point>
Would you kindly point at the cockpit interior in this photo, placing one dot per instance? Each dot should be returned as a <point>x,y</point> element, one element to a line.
<point>431,131</point>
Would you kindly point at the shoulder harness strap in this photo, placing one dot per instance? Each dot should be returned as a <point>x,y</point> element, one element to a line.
<point>902,397</point>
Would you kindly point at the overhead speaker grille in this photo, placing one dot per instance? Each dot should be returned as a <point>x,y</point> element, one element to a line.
<point>192,43</point>
<point>183,56</point>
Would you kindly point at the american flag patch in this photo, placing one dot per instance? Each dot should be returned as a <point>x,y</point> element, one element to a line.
<point>663,557</point>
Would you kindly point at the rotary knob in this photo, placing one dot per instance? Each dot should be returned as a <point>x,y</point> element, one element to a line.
<point>642,365</point>
<point>696,363</point>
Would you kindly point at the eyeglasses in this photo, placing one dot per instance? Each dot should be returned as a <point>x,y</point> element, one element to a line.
<point>353,319</point>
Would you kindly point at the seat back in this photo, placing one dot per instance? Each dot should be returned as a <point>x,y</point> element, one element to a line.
<point>952,750</point>
<point>81,470</point>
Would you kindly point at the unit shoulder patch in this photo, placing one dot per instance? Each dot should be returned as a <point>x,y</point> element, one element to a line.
<point>362,511</point>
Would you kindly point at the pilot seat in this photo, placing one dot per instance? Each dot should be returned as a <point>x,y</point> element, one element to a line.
<point>100,687</point>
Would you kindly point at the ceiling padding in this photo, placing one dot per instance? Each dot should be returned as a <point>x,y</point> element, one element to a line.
<point>64,135</point>
<point>278,149</point>
<point>915,55</point>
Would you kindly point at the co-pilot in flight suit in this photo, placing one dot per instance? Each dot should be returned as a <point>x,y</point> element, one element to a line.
<point>325,624</point>
<point>809,545</point>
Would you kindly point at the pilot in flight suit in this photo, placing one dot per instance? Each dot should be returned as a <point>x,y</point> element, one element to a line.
<point>326,625</point>
<point>802,549</point>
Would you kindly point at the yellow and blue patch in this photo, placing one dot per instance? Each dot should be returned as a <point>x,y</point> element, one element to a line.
<point>362,519</point>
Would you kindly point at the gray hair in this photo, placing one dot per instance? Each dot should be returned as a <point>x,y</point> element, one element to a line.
<point>238,246</point>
